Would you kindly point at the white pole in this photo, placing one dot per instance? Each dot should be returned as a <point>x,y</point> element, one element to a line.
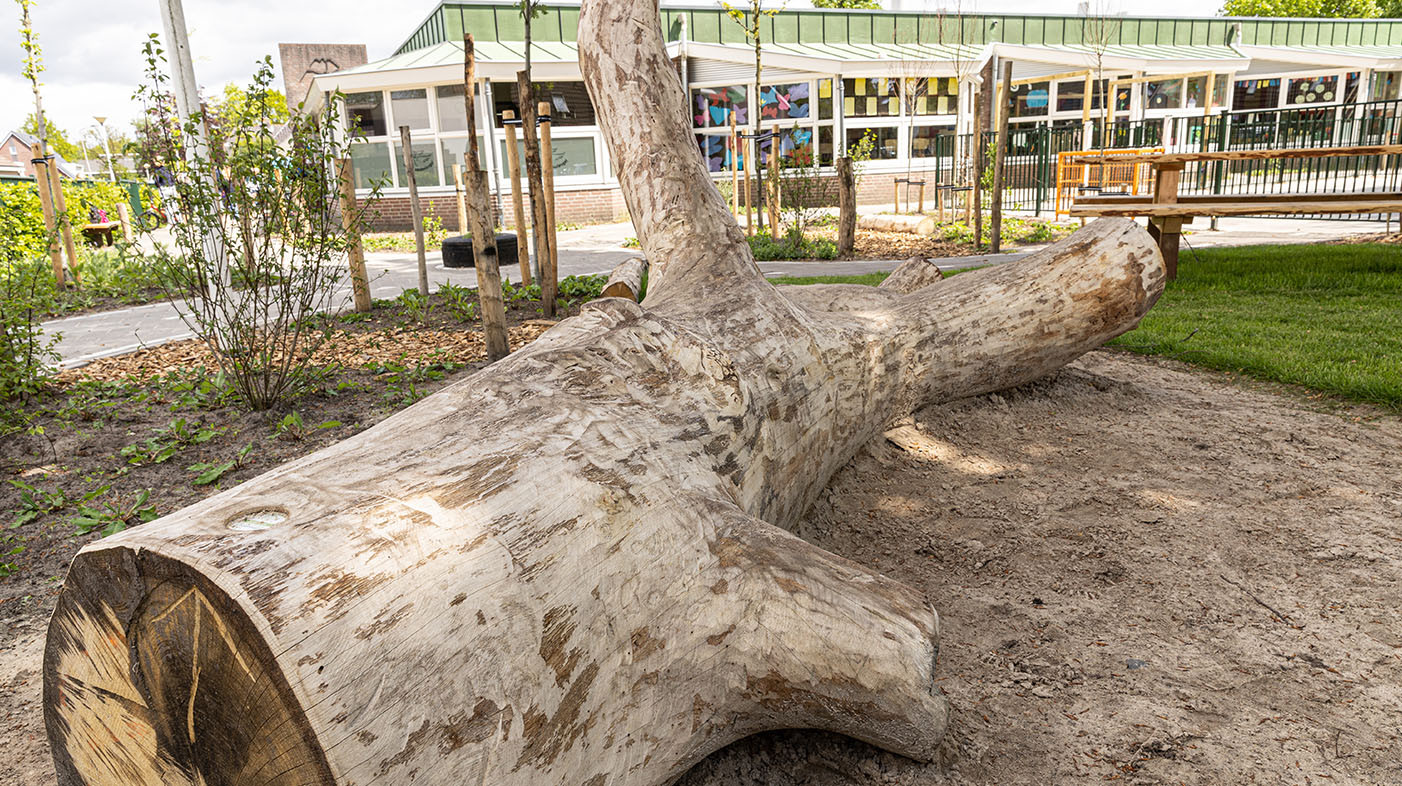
<point>107,145</point>
<point>187,102</point>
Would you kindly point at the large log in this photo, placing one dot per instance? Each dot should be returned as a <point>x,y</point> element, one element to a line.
<point>919,225</point>
<point>572,567</point>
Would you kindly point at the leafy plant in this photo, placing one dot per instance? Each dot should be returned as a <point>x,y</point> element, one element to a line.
<point>35,502</point>
<point>291,427</point>
<point>168,441</point>
<point>8,569</point>
<point>257,199</point>
<point>791,246</point>
<point>115,515</point>
<point>462,301</point>
<point>414,304</point>
<point>210,471</point>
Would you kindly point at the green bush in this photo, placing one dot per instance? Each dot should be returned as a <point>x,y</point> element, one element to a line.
<point>26,353</point>
<point>791,246</point>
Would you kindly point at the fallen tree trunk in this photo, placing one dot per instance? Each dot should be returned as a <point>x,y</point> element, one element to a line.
<point>626,280</point>
<point>919,225</point>
<point>572,567</point>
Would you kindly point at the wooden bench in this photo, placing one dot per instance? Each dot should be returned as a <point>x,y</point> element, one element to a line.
<point>1168,212</point>
<point>100,233</point>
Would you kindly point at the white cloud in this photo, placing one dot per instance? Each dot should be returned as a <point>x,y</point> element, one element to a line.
<point>92,48</point>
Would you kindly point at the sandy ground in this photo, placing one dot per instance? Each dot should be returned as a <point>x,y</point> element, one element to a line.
<point>1145,573</point>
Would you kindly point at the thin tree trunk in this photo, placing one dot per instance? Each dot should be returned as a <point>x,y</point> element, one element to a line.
<point>414,210</point>
<point>846,207</point>
<point>1000,154</point>
<point>537,186</point>
<point>572,567</point>
<point>479,214</point>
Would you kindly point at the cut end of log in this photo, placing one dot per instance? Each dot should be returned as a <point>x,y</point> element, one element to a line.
<point>165,682</point>
<point>626,281</point>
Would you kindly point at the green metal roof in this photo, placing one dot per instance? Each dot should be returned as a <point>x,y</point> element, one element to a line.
<point>450,53</point>
<point>560,23</point>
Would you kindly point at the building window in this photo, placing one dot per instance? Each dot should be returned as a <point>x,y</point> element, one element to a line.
<point>825,145</point>
<point>569,101</point>
<point>883,141</point>
<point>825,99</point>
<point>711,107</point>
<point>1313,90</point>
<point>452,110</point>
<point>1031,100</point>
<point>455,152</point>
<point>425,158</point>
<point>1164,94</point>
<point>1219,89</point>
<point>370,164</point>
<point>932,95</point>
<point>1256,94</point>
<point>365,112</point>
<point>410,108</point>
<point>571,156</point>
<point>931,141</point>
<point>870,98</point>
<point>715,149</point>
<point>1386,86</point>
<point>795,146</point>
<point>1351,87</point>
<point>784,102</point>
<point>1194,96</point>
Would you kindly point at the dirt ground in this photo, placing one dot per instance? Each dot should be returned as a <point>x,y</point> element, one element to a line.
<point>1145,573</point>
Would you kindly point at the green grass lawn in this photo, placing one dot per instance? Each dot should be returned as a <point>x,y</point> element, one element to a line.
<point>1325,317</point>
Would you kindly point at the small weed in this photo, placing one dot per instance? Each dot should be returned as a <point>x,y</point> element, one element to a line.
<point>114,516</point>
<point>462,302</point>
<point>35,502</point>
<point>210,471</point>
<point>292,428</point>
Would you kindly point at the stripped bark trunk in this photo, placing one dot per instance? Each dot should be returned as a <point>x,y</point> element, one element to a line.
<point>539,230</point>
<point>479,214</point>
<point>920,225</point>
<point>846,207</point>
<point>572,567</point>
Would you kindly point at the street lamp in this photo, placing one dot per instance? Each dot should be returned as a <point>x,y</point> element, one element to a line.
<point>106,143</point>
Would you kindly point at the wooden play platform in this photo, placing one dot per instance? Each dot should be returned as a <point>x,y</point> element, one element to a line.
<point>1168,212</point>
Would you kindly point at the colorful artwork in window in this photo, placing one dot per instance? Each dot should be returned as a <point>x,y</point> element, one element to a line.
<point>716,151</point>
<point>711,106</point>
<point>869,98</point>
<point>783,102</point>
<point>1256,94</point>
<point>1317,90</point>
<point>824,99</point>
<point>795,147</point>
<point>1031,100</point>
<point>932,95</point>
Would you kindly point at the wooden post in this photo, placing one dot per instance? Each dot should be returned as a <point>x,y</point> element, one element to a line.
<point>124,216</point>
<point>547,170</point>
<point>537,189</point>
<point>846,207</point>
<point>1086,97</point>
<point>982,104</point>
<point>749,188</point>
<point>41,181</point>
<point>360,283</point>
<point>459,190</point>
<point>896,195</point>
<point>1000,153</point>
<point>484,236</point>
<point>774,186</point>
<point>734,167</point>
<point>1166,230</point>
<point>414,210</point>
<point>1207,97</point>
<point>922,197</point>
<point>513,158</point>
<point>65,225</point>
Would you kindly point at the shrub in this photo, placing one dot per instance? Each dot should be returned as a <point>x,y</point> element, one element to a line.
<point>794,245</point>
<point>260,215</point>
<point>26,352</point>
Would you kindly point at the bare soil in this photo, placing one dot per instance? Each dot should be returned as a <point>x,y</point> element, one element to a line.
<point>1145,573</point>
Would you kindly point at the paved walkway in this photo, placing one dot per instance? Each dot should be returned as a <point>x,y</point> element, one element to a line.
<point>598,249</point>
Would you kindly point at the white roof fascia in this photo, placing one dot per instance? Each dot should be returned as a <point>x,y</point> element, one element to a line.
<point>1082,59</point>
<point>1317,57</point>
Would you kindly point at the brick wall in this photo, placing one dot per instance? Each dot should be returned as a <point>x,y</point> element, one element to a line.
<point>590,206</point>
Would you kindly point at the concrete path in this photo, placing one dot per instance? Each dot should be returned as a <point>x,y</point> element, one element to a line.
<point>598,249</point>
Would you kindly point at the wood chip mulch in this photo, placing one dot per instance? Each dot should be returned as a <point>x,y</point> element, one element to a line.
<point>1394,238</point>
<point>872,244</point>
<point>353,350</point>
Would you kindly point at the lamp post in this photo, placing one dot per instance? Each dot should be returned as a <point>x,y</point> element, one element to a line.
<point>106,145</point>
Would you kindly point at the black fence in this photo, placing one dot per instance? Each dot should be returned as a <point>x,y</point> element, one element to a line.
<point>1031,162</point>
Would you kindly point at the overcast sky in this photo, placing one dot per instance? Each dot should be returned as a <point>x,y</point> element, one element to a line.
<point>92,48</point>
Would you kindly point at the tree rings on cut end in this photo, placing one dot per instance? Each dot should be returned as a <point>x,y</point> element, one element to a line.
<point>158,677</point>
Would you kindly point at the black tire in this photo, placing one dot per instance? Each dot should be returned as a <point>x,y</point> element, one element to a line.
<point>457,251</point>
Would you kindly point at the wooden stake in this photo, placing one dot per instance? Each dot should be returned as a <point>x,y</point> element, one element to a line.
<point>65,225</point>
<point>922,198</point>
<point>734,167</point>
<point>484,236</point>
<point>547,171</point>
<point>537,190</point>
<point>749,189</point>
<point>981,107</point>
<point>41,180</point>
<point>124,216</point>
<point>774,186</point>
<point>999,154</point>
<point>414,210</point>
<point>513,158</point>
<point>462,198</point>
<point>360,282</point>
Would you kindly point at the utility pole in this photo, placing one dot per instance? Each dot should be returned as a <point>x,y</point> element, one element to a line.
<point>107,146</point>
<point>187,103</point>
